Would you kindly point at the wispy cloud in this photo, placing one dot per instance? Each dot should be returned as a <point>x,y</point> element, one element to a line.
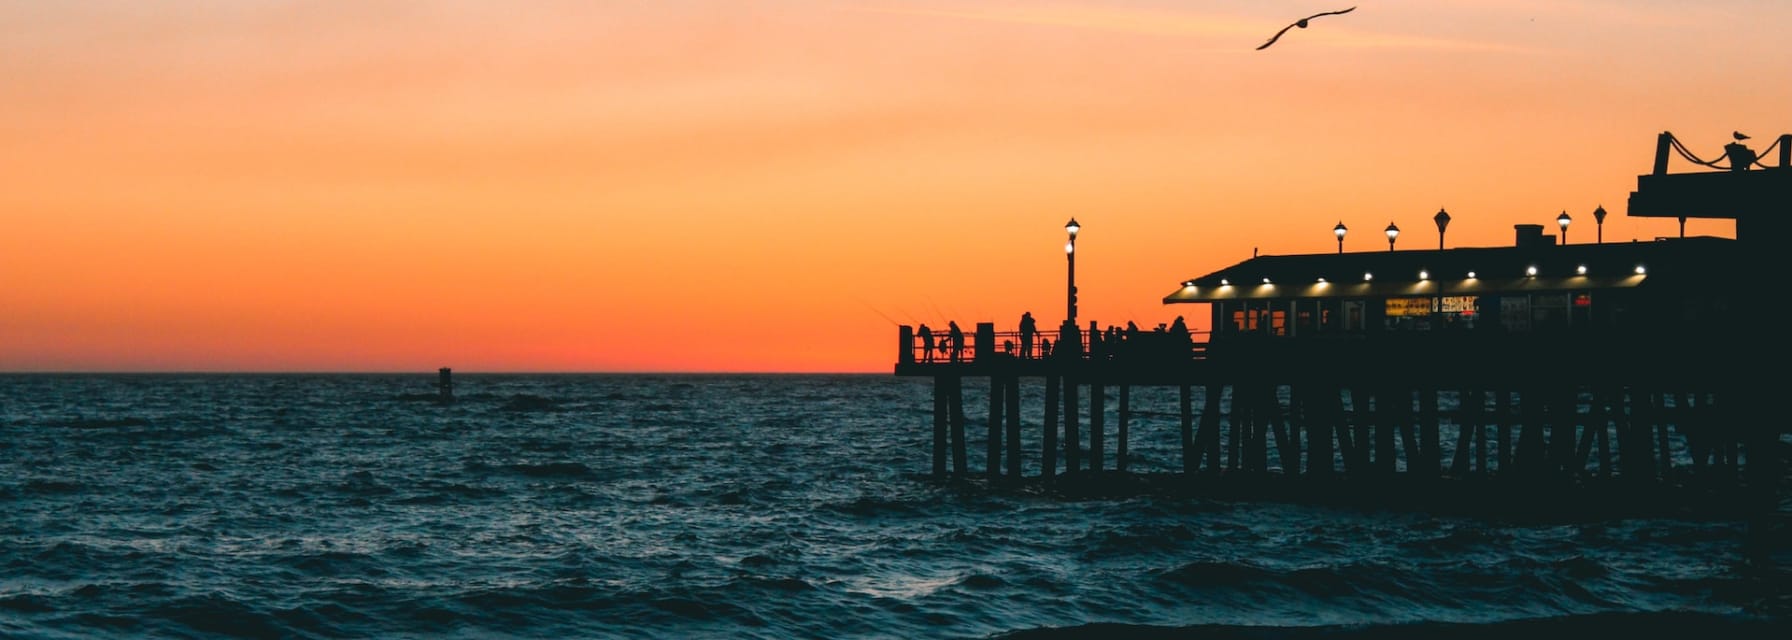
<point>1110,18</point>
<point>1219,30</point>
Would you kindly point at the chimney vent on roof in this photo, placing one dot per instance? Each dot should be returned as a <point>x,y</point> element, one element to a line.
<point>1531,235</point>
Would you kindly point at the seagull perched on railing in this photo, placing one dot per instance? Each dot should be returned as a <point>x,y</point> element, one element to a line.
<point>1302,23</point>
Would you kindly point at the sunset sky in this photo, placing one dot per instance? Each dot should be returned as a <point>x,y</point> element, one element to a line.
<point>241,185</point>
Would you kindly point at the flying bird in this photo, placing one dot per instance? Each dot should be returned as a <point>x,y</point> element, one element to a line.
<point>1738,135</point>
<point>1302,23</point>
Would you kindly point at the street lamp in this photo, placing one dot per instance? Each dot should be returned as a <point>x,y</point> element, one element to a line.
<point>1340,231</point>
<point>1599,220</point>
<point>1393,232</point>
<point>1563,220</point>
<point>1443,220</point>
<point>1070,257</point>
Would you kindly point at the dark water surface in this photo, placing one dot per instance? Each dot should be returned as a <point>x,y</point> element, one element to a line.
<point>600,506</point>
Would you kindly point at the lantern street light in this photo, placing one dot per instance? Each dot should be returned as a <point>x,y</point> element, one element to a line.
<point>1393,232</point>
<point>1563,220</point>
<point>1599,220</point>
<point>1070,257</point>
<point>1340,231</point>
<point>1443,220</point>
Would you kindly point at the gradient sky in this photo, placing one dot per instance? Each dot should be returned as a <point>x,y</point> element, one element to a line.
<point>239,185</point>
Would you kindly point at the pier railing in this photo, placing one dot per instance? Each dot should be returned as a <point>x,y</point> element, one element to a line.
<point>986,344</point>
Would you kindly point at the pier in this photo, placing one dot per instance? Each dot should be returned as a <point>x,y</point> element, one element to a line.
<point>1640,367</point>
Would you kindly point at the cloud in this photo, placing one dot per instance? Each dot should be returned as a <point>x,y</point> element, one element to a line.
<point>1219,31</point>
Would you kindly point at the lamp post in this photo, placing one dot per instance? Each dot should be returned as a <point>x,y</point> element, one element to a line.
<point>1340,231</point>
<point>1070,257</point>
<point>1443,220</point>
<point>1393,232</point>
<point>1563,220</point>
<point>1599,222</point>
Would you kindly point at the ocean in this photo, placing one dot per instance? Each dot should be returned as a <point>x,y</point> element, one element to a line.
<point>741,506</point>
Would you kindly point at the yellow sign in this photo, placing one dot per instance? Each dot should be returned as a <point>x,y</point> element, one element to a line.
<point>1403,307</point>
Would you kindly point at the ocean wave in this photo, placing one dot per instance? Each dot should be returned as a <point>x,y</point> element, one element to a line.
<point>1667,624</point>
<point>723,506</point>
<point>98,423</point>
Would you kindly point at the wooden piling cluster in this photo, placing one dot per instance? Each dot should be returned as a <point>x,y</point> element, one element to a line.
<point>1319,430</point>
<point>1239,418</point>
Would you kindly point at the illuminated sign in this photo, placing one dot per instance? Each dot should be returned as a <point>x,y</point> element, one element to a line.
<point>1414,307</point>
<point>1457,304</point>
<point>1406,307</point>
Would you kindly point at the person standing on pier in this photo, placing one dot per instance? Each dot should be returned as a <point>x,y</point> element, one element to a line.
<point>926,343</point>
<point>1179,329</point>
<point>955,339</point>
<point>1027,327</point>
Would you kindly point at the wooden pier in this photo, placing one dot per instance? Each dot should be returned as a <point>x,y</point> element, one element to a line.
<point>1619,373</point>
<point>1338,407</point>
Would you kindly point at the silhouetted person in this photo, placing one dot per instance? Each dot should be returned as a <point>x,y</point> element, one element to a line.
<point>956,340</point>
<point>926,343</point>
<point>1045,347</point>
<point>1179,329</point>
<point>1095,346</point>
<point>1027,328</point>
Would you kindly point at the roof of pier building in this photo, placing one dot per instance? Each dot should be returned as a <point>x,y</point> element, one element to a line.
<point>1533,265</point>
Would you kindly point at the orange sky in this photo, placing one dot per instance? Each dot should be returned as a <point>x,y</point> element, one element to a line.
<point>772,186</point>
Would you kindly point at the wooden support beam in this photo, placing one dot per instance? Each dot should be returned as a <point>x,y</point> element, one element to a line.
<point>1483,457</point>
<point>1190,454</point>
<point>1350,444</point>
<point>1430,431</point>
<point>1362,428</point>
<point>1209,437</point>
<point>1466,423</point>
<point>1098,400</point>
<point>1320,408</point>
<point>1409,441</point>
<point>1011,393</point>
<point>955,387</point>
<point>1235,421</point>
<point>1073,437</point>
<point>1564,427</point>
<point>1299,422</point>
<point>1254,425</point>
<point>1532,449</point>
<point>1287,451</point>
<point>1659,418</point>
<point>1048,450</point>
<point>993,459</point>
<point>1123,429</point>
<point>1502,423</point>
<point>1386,427</point>
<point>1602,399</point>
<point>940,419</point>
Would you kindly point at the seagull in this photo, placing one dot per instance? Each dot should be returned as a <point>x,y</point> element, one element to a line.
<point>1738,135</point>
<point>1302,23</point>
